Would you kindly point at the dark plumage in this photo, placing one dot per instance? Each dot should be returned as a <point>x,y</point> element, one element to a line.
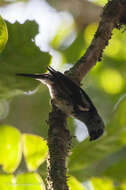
<point>72,100</point>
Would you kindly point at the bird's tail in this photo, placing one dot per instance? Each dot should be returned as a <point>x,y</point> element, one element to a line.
<point>94,123</point>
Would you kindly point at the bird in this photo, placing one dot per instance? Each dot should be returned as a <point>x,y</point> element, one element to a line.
<point>71,99</point>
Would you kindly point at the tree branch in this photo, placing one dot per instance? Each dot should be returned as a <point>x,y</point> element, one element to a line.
<point>58,137</point>
<point>58,141</point>
<point>111,18</point>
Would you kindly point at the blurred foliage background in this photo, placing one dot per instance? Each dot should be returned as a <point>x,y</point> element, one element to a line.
<point>57,33</point>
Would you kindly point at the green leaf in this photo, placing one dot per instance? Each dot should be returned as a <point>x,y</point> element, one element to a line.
<point>29,181</point>
<point>21,55</point>
<point>10,148</point>
<point>101,2</point>
<point>74,184</point>
<point>3,34</point>
<point>102,183</point>
<point>76,50</point>
<point>7,182</point>
<point>116,169</point>
<point>123,185</point>
<point>35,150</point>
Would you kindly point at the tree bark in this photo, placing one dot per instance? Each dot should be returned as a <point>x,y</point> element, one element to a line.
<point>58,143</point>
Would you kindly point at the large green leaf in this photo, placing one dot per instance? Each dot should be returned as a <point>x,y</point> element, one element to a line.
<point>3,34</point>
<point>21,55</point>
<point>29,181</point>
<point>35,151</point>
<point>10,148</point>
<point>7,182</point>
<point>12,143</point>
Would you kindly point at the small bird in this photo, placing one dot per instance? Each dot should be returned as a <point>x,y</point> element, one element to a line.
<point>71,99</point>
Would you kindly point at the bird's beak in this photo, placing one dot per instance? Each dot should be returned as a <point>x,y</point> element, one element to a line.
<point>35,76</point>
